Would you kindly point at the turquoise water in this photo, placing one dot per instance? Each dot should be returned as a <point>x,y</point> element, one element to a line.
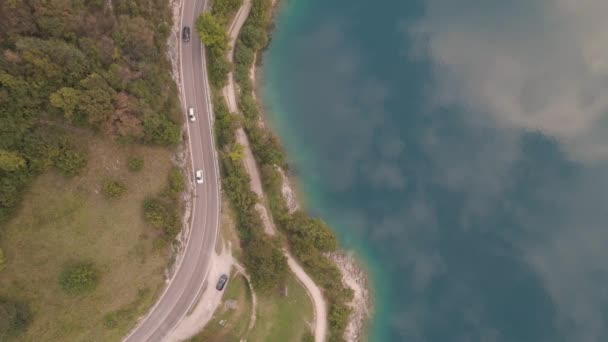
<point>476,221</point>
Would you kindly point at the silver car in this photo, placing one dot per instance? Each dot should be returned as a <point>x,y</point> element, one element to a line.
<point>199,176</point>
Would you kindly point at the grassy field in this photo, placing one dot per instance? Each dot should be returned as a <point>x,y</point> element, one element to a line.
<point>228,324</point>
<point>63,220</point>
<point>283,318</point>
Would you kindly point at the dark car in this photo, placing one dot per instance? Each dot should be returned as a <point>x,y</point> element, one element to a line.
<point>186,34</point>
<point>222,282</point>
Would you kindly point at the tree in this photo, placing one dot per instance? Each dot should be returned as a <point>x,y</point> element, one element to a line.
<point>79,278</point>
<point>337,318</point>
<point>66,99</point>
<point>222,9</point>
<point>160,130</point>
<point>70,162</point>
<point>135,37</point>
<point>237,152</point>
<point>10,161</point>
<point>253,37</point>
<point>307,233</point>
<point>212,33</point>
<point>219,67</point>
<point>266,262</point>
<point>96,99</point>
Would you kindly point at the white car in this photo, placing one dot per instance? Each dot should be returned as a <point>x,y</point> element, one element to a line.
<point>191,116</point>
<point>199,176</point>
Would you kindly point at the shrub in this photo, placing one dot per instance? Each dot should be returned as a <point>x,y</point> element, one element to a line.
<point>176,182</point>
<point>70,162</point>
<point>114,188</point>
<point>15,316</point>
<point>160,130</point>
<point>162,215</point>
<point>79,278</point>
<point>135,164</point>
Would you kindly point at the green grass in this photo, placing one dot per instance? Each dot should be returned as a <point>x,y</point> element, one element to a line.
<point>236,322</point>
<point>66,220</point>
<point>283,318</point>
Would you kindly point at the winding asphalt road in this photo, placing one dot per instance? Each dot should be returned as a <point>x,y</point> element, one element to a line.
<point>182,293</point>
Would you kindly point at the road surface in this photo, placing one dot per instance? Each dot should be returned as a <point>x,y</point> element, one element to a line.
<point>187,283</point>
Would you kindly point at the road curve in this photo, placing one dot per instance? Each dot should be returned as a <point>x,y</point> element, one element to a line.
<point>187,283</point>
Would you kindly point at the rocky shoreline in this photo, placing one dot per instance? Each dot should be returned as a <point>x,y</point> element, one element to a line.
<point>353,274</point>
<point>354,277</point>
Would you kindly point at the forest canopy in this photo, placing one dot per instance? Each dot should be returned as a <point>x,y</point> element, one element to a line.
<point>84,64</point>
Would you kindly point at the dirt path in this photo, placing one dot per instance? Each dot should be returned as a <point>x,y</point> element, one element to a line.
<point>229,92</point>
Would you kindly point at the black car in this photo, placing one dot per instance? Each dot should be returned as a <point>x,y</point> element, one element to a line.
<point>186,34</point>
<point>222,282</point>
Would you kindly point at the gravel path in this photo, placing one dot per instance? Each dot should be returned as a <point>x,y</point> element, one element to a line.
<point>229,92</point>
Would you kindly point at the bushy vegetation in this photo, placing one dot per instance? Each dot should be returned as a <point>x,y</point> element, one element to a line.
<point>79,278</point>
<point>77,63</point>
<point>15,316</point>
<point>214,36</point>
<point>162,211</point>
<point>262,255</point>
<point>113,188</point>
<point>135,163</point>
<point>309,238</point>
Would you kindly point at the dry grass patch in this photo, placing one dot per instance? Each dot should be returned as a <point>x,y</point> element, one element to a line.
<point>65,220</point>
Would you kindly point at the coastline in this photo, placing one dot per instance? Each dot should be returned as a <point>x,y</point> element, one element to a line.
<point>354,276</point>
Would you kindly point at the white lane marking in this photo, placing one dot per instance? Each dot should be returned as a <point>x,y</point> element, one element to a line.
<point>210,118</point>
<point>183,96</point>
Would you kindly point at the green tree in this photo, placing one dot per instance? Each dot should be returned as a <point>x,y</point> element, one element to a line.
<point>79,278</point>
<point>10,161</point>
<point>337,318</point>
<point>266,262</point>
<point>237,152</point>
<point>96,99</point>
<point>70,162</point>
<point>212,33</point>
<point>218,67</point>
<point>160,130</point>
<point>66,99</point>
<point>252,36</point>
<point>136,38</point>
<point>224,9</point>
